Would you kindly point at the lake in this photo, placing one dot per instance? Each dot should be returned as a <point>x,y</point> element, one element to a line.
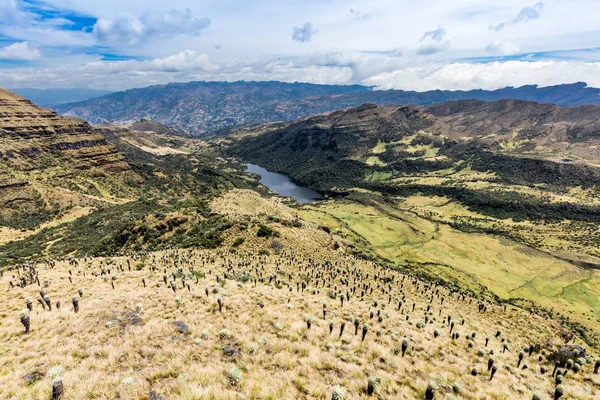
<point>283,185</point>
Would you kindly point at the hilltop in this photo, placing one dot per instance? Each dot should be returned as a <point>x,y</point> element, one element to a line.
<point>202,108</point>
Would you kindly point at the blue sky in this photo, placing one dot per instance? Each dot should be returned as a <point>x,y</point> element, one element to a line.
<point>405,44</point>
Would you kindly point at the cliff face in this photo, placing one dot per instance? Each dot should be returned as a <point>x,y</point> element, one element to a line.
<point>50,164</point>
<point>28,132</point>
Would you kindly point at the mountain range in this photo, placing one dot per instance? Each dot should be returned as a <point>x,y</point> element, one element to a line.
<point>203,108</point>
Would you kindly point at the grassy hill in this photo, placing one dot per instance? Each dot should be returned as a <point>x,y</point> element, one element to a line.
<point>259,320</point>
<point>447,254</point>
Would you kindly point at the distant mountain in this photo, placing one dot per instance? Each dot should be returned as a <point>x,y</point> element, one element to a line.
<point>52,97</point>
<point>202,108</point>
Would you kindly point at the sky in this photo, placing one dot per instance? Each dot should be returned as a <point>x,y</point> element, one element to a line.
<point>390,44</point>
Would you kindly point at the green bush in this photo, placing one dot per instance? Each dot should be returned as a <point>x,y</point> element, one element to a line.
<point>264,231</point>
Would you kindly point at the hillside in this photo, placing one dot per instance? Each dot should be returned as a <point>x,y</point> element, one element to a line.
<point>51,166</point>
<point>202,108</point>
<point>450,188</point>
<point>296,320</point>
<point>69,188</point>
<point>451,251</point>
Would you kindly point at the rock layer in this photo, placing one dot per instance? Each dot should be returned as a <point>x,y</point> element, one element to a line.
<point>49,163</point>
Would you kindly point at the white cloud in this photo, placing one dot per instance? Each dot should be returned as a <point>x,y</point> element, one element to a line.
<point>378,69</point>
<point>526,14</point>
<point>22,51</point>
<point>8,10</point>
<point>436,34</point>
<point>502,48</point>
<point>125,28</point>
<point>173,23</point>
<point>432,48</point>
<point>465,76</point>
<point>358,15</point>
<point>396,52</point>
<point>121,28</point>
<point>432,42</point>
<point>252,41</point>
<point>304,33</point>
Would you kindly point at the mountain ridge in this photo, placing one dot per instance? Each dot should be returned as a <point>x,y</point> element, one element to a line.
<point>202,108</point>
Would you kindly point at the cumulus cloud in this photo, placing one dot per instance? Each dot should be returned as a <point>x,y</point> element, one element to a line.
<point>526,14</point>
<point>22,51</point>
<point>125,28</point>
<point>304,33</point>
<point>378,69</point>
<point>187,60</point>
<point>466,76</point>
<point>502,48</point>
<point>432,42</point>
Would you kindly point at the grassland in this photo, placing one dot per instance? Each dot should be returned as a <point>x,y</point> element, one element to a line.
<point>123,342</point>
<point>510,270</point>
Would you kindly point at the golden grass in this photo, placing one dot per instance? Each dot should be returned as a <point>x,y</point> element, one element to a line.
<point>105,357</point>
<point>280,358</point>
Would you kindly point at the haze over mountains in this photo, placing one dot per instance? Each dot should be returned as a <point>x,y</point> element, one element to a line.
<point>202,108</point>
<point>52,97</point>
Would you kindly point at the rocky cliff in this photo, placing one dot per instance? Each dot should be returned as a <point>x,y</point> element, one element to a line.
<point>50,164</point>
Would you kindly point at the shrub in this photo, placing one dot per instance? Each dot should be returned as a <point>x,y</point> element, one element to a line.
<point>225,334</point>
<point>264,231</point>
<point>371,384</point>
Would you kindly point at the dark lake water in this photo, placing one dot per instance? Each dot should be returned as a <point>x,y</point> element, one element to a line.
<point>283,185</point>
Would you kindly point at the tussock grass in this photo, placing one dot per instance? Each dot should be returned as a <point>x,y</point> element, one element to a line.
<point>105,355</point>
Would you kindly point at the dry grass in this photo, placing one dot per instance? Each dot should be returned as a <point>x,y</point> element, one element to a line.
<point>280,358</point>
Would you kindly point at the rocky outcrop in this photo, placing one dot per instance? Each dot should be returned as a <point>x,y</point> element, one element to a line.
<point>49,163</point>
<point>27,132</point>
<point>569,352</point>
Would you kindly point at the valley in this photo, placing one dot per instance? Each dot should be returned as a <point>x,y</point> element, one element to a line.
<point>435,232</point>
<point>472,209</point>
